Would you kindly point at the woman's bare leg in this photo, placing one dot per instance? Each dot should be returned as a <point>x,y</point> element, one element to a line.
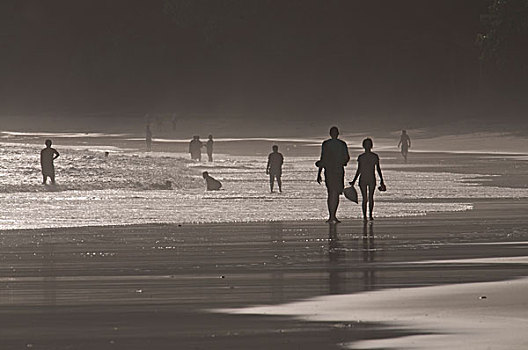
<point>364,199</point>
<point>371,190</point>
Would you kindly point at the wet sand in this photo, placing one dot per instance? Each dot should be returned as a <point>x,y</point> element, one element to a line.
<point>134,287</point>
<point>469,316</point>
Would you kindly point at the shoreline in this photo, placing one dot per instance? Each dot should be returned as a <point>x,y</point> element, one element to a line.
<point>486,204</point>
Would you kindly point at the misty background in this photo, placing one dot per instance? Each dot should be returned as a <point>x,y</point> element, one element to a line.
<point>264,67</point>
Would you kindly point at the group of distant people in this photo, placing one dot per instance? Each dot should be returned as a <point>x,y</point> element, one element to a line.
<point>159,124</point>
<point>273,169</point>
<point>195,148</point>
<point>334,158</point>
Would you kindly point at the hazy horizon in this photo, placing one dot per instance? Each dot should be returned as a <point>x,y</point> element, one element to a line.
<point>377,65</point>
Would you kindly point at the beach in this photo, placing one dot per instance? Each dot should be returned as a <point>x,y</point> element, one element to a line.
<point>186,286</point>
<point>110,259</point>
<point>264,175</point>
<point>128,187</point>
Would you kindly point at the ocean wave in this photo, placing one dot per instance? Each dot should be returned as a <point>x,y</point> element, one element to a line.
<point>130,187</point>
<point>92,170</point>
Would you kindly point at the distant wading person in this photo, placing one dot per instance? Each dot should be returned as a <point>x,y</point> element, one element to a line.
<point>47,156</point>
<point>274,167</point>
<point>174,121</point>
<point>405,143</point>
<point>368,162</point>
<point>211,183</point>
<point>148,138</point>
<point>195,148</point>
<point>209,147</point>
<point>334,157</point>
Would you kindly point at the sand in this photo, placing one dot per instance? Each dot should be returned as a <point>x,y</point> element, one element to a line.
<point>486,315</point>
<point>167,286</point>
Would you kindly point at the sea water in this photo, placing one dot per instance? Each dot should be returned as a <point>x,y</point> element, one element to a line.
<point>130,187</point>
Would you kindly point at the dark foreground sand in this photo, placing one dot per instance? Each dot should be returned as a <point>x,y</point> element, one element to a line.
<point>141,287</point>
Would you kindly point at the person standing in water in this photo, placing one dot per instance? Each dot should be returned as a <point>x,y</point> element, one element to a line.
<point>47,156</point>
<point>209,147</point>
<point>148,137</point>
<point>195,148</point>
<point>368,162</point>
<point>174,121</point>
<point>334,157</point>
<point>274,167</point>
<point>405,143</point>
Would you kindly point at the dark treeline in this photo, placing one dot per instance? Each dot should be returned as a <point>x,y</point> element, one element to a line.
<point>504,50</point>
<point>399,61</point>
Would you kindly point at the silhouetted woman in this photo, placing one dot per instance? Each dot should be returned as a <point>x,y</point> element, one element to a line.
<point>368,162</point>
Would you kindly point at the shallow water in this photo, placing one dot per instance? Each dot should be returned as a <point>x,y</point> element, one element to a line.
<point>129,187</point>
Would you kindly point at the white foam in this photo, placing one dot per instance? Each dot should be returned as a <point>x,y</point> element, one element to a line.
<point>496,260</point>
<point>126,188</point>
<point>61,134</point>
<point>236,139</point>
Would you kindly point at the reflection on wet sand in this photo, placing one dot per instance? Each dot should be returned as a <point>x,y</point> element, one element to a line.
<point>340,265</point>
<point>369,253</point>
<point>336,278</point>
<point>49,278</point>
<point>277,276</point>
<point>57,285</point>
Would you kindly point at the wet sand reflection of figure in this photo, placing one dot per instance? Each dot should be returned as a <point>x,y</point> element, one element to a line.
<point>336,280</point>
<point>49,285</point>
<point>277,248</point>
<point>368,251</point>
<point>405,143</point>
<point>334,157</point>
<point>368,163</point>
<point>47,156</point>
<point>274,167</point>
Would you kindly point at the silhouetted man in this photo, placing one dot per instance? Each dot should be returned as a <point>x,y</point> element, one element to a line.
<point>212,184</point>
<point>47,156</point>
<point>195,148</point>
<point>405,143</point>
<point>368,162</point>
<point>209,147</point>
<point>334,157</point>
<point>274,167</point>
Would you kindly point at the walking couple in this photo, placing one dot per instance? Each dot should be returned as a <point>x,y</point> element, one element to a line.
<point>334,158</point>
